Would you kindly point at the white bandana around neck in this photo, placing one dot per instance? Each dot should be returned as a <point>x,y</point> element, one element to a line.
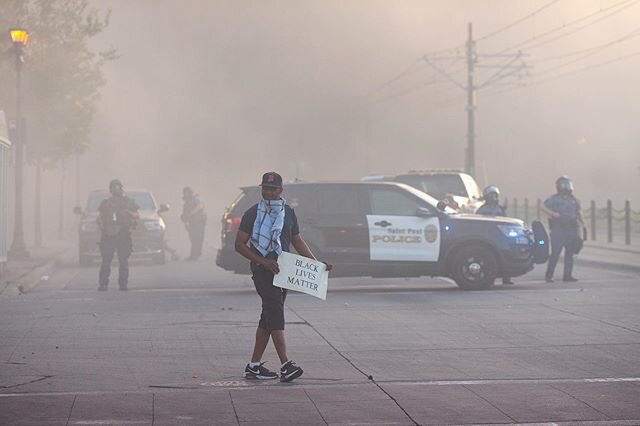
<point>268,226</point>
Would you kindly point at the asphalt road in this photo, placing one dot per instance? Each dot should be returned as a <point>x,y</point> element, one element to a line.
<point>379,351</point>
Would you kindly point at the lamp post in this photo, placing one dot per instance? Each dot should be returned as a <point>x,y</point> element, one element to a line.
<point>18,250</point>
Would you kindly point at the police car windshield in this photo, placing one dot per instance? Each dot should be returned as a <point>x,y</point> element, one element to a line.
<point>437,186</point>
<point>428,198</point>
<point>144,200</point>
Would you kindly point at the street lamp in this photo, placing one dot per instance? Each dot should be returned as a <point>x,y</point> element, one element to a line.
<point>18,250</point>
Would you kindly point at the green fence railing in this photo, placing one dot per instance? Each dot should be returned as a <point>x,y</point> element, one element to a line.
<point>609,221</point>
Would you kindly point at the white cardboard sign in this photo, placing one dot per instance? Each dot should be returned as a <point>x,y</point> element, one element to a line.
<point>302,274</point>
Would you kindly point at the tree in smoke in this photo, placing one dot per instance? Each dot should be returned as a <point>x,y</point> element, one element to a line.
<point>62,77</point>
<point>61,82</point>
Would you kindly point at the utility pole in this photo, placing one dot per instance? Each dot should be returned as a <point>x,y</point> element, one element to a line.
<point>63,171</point>
<point>18,248</point>
<point>470,158</point>
<point>472,58</point>
<point>77,178</point>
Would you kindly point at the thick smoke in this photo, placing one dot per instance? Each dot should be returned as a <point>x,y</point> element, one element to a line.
<point>213,93</point>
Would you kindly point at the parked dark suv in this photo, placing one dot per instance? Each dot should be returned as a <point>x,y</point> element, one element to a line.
<point>148,234</point>
<point>385,229</point>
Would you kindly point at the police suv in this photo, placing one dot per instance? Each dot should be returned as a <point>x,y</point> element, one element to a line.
<point>148,236</point>
<point>387,229</point>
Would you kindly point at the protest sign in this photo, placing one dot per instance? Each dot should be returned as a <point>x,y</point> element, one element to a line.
<point>302,274</point>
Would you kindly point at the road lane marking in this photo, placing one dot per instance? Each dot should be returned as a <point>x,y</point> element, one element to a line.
<point>514,381</point>
<point>245,384</point>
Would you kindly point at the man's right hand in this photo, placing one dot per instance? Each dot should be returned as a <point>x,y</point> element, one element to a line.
<point>271,266</point>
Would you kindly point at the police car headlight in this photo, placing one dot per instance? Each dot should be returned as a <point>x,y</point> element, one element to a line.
<point>154,225</point>
<point>512,231</point>
<point>90,226</point>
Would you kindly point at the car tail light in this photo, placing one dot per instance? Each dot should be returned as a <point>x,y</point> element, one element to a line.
<point>232,224</point>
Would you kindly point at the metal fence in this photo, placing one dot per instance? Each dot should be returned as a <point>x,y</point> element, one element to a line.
<point>604,221</point>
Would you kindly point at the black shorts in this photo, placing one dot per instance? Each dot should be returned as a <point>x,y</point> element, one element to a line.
<point>272,316</point>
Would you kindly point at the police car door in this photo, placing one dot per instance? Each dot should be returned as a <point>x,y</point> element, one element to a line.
<point>396,232</point>
<point>337,228</point>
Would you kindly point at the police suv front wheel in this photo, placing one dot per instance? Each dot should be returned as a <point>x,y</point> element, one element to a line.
<point>474,268</point>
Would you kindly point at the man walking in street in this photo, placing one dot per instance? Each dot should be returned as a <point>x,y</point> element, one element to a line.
<point>195,220</point>
<point>565,221</point>
<point>266,230</point>
<point>117,217</point>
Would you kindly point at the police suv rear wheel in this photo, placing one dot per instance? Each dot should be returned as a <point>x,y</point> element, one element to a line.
<point>474,268</point>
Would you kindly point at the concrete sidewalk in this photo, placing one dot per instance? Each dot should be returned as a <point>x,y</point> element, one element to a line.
<point>21,276</point>
<point>409,403</point>
<point>610,255</point>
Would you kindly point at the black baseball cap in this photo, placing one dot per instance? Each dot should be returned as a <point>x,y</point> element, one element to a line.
<point>271,179</point>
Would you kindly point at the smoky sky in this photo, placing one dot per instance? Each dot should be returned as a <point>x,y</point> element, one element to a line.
<point>213,93</point>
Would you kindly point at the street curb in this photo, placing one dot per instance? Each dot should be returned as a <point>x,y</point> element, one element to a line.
<point>608,265</point>
<point>30,280</point>
<point>608,248</point>
<point>33,279</point>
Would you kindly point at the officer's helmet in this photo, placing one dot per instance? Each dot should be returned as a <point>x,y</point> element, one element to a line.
<point>115,185</point>
<point>491,192</point>
<point>187,192</point>
<point>564,184</point>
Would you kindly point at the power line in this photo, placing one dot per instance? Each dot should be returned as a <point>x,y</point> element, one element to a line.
<point>442,72</point>
<point>405,91</point>
<point>583,54</point>
<point>620,5</point>
<point>516,22</point>
<point>500,74</point>
<point>404,72</point>
<point>590,67</point>
<point>411,68</point>
<point>617,7</point>
<point>542,43</point>
<point>633,34</point>
<point>569,73</point>
<point>452,49</point>
<point>408,90</point>
<point>590,52</point>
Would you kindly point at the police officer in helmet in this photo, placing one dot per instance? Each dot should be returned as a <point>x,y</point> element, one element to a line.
<point>492,207</point>
<point>565,222</point>
<point>117,217</point>
<point>195,220</point>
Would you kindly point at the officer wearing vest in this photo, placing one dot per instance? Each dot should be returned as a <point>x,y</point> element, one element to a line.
<point>492,207</point>
<point>118,215</point>
<point>195,220</point>
<point>565,221</point>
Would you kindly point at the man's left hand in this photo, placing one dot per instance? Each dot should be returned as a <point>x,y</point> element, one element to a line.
<point>328,266</point>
